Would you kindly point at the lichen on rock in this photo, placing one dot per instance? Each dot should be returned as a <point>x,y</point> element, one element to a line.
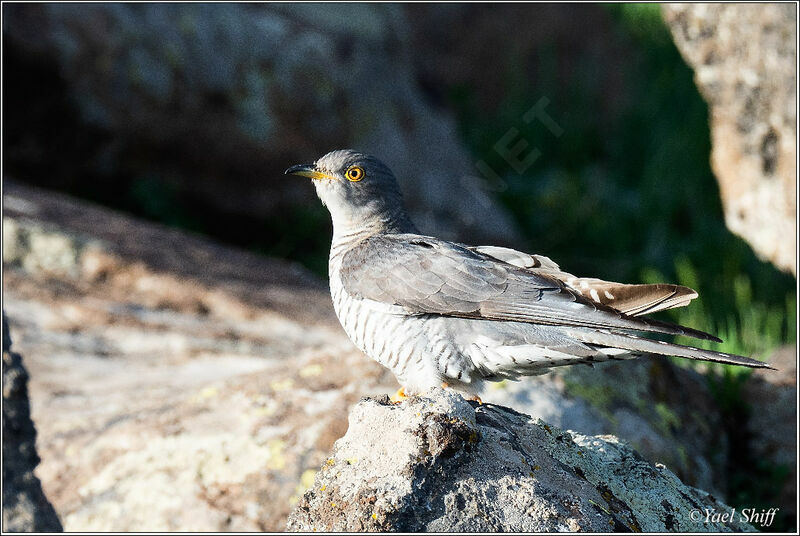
<point>440,463</point>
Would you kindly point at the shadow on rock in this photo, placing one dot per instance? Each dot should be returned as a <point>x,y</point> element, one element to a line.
<point>25,507</point>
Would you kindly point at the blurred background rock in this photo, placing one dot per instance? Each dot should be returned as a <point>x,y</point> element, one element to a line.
<point>187,115</point>
<point>751,90</point>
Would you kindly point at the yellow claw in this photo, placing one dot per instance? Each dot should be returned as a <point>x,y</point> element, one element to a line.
<point>399,396</point>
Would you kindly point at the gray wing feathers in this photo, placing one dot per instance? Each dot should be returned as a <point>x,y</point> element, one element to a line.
<point>632,300</point>
<point>519,259</point>
<point>555,309</point>
<point>421,275</point>
<point>431,276</point>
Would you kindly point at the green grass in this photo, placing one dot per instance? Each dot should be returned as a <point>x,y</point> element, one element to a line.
<point>750,327</point>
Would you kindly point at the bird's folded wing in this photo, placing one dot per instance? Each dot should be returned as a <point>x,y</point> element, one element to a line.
<point>633,300</point>
<point>427,275</point>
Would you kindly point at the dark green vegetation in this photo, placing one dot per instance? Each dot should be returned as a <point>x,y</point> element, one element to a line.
<point>631,197</point>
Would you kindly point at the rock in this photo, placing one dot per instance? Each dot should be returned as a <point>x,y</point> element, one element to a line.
<point>214,102</point>
<point>176,384</point>
<point>667,413</point>
<point>25,507</point>
<point>771,397</point>
<point>481,59</point>
<point>745,61</point>
<point>771,430</point>
<point>439,463</point>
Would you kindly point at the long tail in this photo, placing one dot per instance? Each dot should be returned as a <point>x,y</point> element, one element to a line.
<point>633,343</point>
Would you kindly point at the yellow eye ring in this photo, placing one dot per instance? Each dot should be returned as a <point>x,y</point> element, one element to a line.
<point>354,174</point>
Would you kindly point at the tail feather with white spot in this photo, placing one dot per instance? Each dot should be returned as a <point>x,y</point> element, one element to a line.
<point>633,300</point>
<point>633,343</point>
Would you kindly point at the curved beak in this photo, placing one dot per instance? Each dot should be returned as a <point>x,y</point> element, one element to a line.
<point>307,170</point>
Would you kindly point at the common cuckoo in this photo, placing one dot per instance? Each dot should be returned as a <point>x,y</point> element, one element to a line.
<point>442,313</point>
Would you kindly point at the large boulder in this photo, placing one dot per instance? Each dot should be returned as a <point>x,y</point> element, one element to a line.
<point>213,102</point>
<point>439,463</point>
<point>771,431</point>
<point>667,413</point>
<point>745,62</point>
<point>176,384</point>
<point>25,507</point>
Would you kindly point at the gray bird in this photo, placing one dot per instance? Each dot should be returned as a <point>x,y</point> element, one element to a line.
<point>442,313</point>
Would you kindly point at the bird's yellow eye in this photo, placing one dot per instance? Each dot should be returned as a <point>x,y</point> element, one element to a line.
<point>354,174</point>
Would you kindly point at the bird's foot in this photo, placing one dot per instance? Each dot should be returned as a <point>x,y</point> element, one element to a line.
<point>399,396</point>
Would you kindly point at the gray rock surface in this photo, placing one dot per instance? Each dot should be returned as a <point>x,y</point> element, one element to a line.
<point>176,384</point>
<point>665,412</point>
<point>439,463</point>
<point>745,62</point>
<point>772,427</point>
<point>25,507</point>
<point>243,91</point>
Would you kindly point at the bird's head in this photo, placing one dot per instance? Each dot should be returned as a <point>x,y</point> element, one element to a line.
<point>358,189</point>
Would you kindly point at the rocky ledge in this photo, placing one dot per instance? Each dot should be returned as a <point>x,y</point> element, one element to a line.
<point>25,507</point>
<point>440,463</point>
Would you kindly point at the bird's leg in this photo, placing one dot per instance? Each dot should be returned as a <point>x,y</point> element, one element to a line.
<point>399,396</point>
